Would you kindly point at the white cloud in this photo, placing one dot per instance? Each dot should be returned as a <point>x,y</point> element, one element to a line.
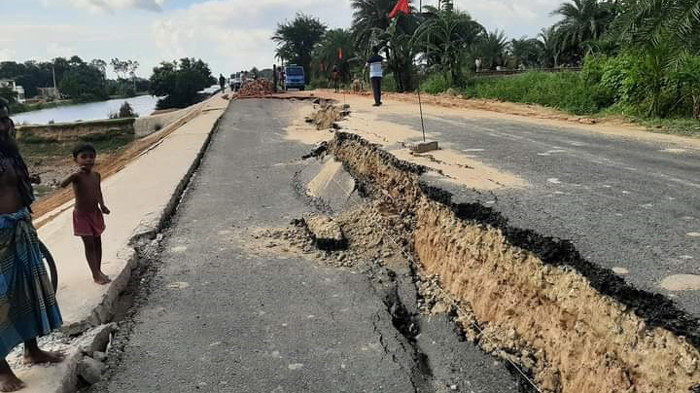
<point>7,54</point>
<point>515,17</point>
<point>54,49</point>
<point>232,36</point>
<point>112,5</point>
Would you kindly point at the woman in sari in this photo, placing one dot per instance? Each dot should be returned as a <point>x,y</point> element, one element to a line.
<point>28,307</point>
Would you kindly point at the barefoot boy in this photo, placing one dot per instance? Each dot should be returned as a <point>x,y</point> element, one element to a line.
<point>88,222</point>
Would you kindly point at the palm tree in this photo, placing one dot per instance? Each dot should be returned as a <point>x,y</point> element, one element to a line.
<point>525,51</point>
<point>492,48</point>
<point>583,21</point>
<point>371,26</point>
<point>550,47</point>
<point>656,22</point>
<point>328,51</point>
<point>296,39</point>
<point>446,34</point>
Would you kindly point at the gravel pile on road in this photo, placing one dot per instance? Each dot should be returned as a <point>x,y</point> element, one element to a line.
<point>256,88</point>
<point>327,116</point>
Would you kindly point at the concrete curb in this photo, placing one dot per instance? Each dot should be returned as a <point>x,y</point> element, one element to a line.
<point>94,333</point>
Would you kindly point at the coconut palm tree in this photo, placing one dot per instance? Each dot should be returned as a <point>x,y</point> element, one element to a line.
<point>492,48</point>
<point>369,16</point>
<point>661,22</point>
<point>550,47</point>
<point>372,26</point>
<point>583,21</point>
<point>524,51</point>
<point>296,39</point>
<point>328,52</point>
<point>446,34</point>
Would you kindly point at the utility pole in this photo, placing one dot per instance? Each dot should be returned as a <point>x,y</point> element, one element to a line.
<point>55,89</point>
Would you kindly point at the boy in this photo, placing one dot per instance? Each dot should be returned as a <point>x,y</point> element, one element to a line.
<point>88,222</point>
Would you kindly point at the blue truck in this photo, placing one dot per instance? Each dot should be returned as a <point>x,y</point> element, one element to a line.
<point>294,77</point>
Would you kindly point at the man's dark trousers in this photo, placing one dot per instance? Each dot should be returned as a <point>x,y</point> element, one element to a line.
<point>377,88</point>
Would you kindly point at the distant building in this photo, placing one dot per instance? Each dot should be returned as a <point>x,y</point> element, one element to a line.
<point>15,87</point>
<point>49,92</point>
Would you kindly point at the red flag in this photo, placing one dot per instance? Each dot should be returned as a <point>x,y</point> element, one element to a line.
<point>401,6</point>
<point>340,53</point>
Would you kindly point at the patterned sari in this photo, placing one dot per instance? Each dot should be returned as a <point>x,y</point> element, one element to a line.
<point>28,307</point>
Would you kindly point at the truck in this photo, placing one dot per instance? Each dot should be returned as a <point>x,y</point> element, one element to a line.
<point>236,81</point>
<point>294,77</point>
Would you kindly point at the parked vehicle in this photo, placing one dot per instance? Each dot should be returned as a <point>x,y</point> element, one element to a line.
<point>236,81</point>
<point>294,77</point>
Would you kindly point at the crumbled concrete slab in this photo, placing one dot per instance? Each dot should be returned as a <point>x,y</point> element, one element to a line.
<point>424,147</point>
<point>91,370</point>
<point>325,231</point>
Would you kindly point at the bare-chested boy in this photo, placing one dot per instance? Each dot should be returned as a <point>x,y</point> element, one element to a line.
<point>88,222</point>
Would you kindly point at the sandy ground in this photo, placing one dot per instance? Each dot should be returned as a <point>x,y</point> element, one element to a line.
<point>449,106</point>
<point>456,166</point>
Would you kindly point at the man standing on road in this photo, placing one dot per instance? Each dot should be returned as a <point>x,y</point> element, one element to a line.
<point>222,82</point>
<point>375,64</point>
<point>28,307</point>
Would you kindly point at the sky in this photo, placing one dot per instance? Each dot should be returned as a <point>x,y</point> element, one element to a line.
<point>230,35</point>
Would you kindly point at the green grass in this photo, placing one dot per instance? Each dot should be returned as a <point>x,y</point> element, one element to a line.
<point>59,149</point>
<point>565,91</point>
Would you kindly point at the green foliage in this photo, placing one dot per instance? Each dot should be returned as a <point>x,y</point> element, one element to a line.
<point>125,112</point>
<point>565,90</point>
<point>296,39</point>
<point>492,49</point>
<point>436,83</point>
<point>180,82</point>
<point>9,95</point>
<point>327,54</point>
<point>83,82</point>
<point>447,34</point>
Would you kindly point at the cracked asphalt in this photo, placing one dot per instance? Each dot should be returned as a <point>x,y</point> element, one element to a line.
<point>627,202</point>
<point>224,317</point>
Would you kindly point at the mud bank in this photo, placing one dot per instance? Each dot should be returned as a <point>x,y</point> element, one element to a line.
<point>576,327</point>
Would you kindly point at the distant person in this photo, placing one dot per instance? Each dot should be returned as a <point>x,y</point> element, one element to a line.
<point>283,78</point>
<point>88,220</point>
<point>376,72</point>
<point>335,79</point>
<point>477,64</point>
<point>222,82</point>
<point>27,300</point>
<point>274,78</point>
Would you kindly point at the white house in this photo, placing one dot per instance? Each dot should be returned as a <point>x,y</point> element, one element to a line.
<point>15,87</point>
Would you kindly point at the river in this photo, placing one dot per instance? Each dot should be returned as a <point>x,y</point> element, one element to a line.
<point>143,105</point>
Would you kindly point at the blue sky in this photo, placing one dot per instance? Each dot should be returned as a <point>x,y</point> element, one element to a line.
<point>228,34</point>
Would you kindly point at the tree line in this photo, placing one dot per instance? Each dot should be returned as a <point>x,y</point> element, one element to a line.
<point>641,55</point>
<point>75,78</point>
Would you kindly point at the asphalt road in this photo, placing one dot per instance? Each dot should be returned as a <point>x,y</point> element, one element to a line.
<point>623,201</point>
<point>222,318</point>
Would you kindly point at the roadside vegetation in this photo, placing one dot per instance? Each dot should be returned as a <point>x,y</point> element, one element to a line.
<point>77,81</point>
<point>638,60</point>
<point>180,82</point>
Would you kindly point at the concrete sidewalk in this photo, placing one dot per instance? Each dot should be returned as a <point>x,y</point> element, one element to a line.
<point>140,197</point>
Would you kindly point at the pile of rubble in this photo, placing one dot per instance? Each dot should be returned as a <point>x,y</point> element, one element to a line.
<point>328,114</point>
<point>256,88</point>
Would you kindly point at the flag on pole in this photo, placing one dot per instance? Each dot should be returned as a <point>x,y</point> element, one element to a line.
<point>401,6</point>
<point>340,53</point>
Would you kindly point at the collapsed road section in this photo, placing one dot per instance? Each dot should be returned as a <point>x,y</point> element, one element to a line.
<point>530,299</point>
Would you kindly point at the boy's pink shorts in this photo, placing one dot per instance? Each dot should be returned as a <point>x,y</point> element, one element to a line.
<point>90,224</point>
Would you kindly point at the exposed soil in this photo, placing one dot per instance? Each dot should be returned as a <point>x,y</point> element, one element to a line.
<point>530,299</point>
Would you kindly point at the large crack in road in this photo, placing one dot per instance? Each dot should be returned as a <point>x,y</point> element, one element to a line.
<point>427,295</point>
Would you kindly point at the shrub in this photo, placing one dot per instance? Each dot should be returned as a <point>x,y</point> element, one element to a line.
<point>565,90</point>
<point>436,83</point>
